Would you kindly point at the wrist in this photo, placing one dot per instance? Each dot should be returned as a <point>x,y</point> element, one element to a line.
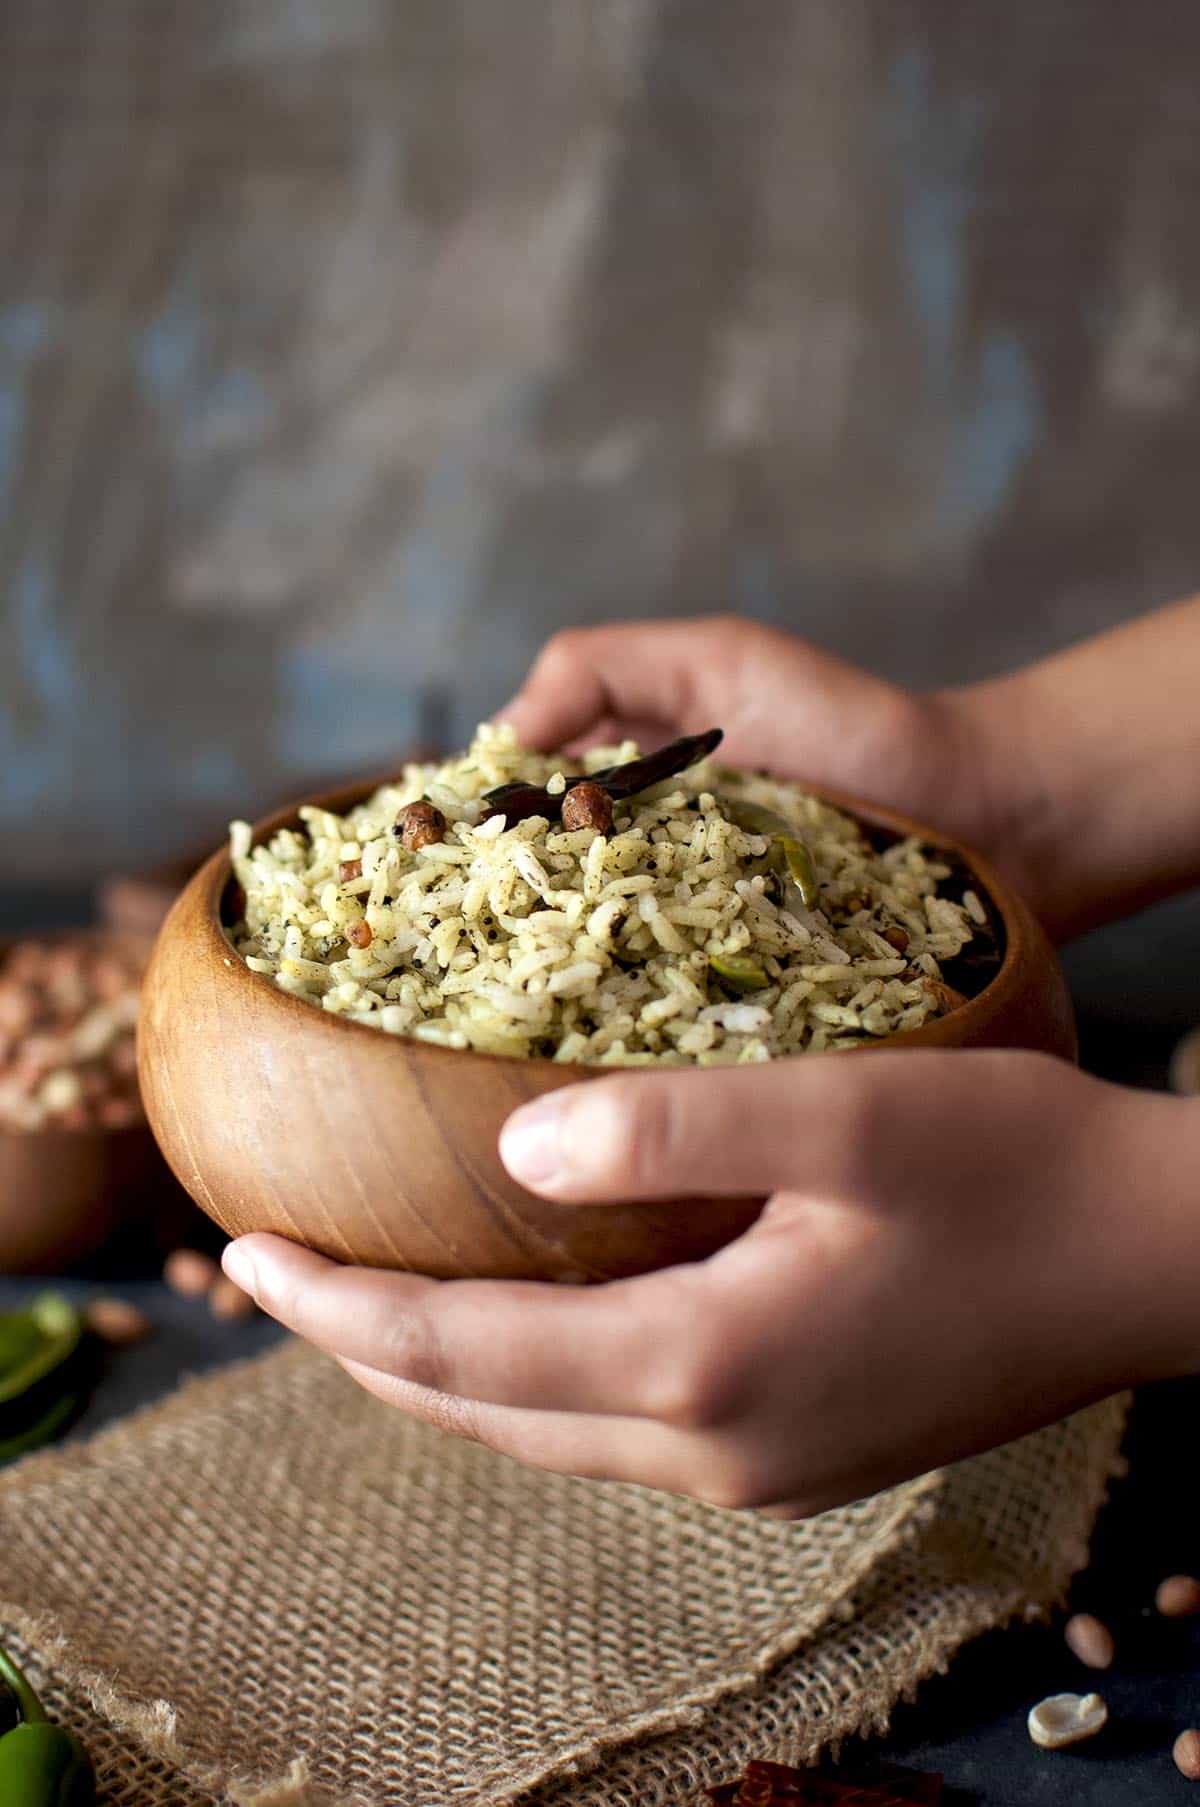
<point>997,755</point>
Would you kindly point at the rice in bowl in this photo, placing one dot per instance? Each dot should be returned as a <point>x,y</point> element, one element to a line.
<point>674,938</point>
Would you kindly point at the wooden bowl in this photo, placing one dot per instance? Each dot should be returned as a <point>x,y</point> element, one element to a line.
<point>63,1192</point>
<point>381,1150</point>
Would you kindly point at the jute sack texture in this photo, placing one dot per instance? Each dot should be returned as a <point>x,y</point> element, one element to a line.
<point>271,1590</point>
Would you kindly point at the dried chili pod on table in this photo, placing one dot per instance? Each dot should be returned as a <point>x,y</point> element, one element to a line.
<point>41,1764</point>
<point>768,1784</point>
<point>517,801</point>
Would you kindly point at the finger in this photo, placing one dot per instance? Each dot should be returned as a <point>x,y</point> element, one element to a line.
<point>716,1132</point>
<point>614,1349</point>
<point>593,1448</point>
<point>612,730</point>
<point>673,674</point>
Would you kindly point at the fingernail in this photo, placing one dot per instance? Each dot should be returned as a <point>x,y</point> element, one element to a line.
<point>531,1143</point>
<point>239,1265</point>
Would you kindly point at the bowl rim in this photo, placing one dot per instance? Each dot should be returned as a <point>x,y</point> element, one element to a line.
<point>209,884</point>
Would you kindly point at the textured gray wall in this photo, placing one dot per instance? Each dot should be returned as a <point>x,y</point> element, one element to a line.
<point>349,346</point>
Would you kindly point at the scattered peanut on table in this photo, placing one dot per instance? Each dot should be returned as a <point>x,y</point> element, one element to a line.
<point>1090,1640</point>
<point>1178,1597</point>
<point>116,1321</point>
<point>229,1301</point>
<point>190,1273</point>
<point>1064,1719</point>
<point>1186,1752</point>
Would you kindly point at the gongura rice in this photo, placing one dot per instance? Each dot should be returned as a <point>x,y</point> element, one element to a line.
<point>672,939</point>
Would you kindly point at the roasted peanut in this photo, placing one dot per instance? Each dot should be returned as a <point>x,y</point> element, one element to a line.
<point>1186,1752</point>
<point>1178,1597</point>
<point>229,1301</point>
<point>116,1321</point>
<point>420,824</point>
<point>67,1011</point>
<point>190,1273</point>
<point>1064,1719</point>
<point>1090,1640</point>
<point>588,805</point>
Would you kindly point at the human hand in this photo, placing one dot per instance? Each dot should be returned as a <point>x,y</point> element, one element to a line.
<point>956,1249</point>
<point>786,707</point>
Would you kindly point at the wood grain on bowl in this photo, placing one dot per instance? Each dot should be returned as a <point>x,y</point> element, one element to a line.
<point>377,1149</point>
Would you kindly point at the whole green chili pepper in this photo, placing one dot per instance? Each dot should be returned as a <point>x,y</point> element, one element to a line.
<point>44,1429</point>
<point>42,1355</point>
<point>19,1338</point>
<point>41,1765</point>
<point>34,1342</point>
<point>517,801</point>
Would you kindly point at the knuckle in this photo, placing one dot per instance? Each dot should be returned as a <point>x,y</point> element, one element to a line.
<point>562,651</point>
<point>694,1390</point>
<point>696,1379</point>
<point>728,638</point>
<point>413,1352</point>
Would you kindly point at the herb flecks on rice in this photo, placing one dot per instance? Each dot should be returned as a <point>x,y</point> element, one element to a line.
<point>678,936</point>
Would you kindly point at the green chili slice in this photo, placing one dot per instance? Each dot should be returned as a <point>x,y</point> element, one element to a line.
<point>788,852</point>
<point>739,972</point>
<point>800,866</point>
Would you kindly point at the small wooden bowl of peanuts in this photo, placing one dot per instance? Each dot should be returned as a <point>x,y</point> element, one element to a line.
<point>76,1154</point>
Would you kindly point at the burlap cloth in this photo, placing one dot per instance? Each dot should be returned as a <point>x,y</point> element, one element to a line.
<point>271,1589</point>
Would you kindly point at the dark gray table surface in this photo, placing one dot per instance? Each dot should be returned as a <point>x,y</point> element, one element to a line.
<point>970,1724</point>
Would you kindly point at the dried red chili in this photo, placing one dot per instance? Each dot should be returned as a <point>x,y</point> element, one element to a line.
<point>780,1785</point>
<point>517,801</point>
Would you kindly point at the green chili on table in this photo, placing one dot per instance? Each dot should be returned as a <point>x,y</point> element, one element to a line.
<point>42,1353</point>
<point>42,1430</point>
<point>41,1764</point>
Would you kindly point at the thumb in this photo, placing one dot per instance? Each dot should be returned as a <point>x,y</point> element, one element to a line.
<point>714,1132</point>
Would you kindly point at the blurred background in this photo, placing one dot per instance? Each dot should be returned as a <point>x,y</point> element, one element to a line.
<point>349,347</point>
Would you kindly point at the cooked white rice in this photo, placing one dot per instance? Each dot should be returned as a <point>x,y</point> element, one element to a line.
<point>531,940</point>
